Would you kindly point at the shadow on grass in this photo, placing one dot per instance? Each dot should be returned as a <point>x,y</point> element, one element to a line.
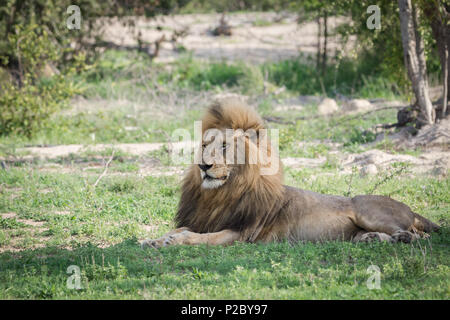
<point>125,270</point>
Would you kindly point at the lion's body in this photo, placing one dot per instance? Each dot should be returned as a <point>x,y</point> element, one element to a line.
<point>223,203</point>
<point>312,216</point>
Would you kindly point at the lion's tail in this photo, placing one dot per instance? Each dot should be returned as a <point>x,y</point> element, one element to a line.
<point>423,224</point>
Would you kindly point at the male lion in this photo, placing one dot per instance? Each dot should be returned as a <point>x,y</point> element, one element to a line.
<point>226,202</point>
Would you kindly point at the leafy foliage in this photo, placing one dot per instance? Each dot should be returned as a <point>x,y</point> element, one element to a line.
<point>30,100</point>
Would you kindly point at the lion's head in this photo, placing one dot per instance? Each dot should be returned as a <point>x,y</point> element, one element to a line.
<point>226,148</point>
<point>229,187</point>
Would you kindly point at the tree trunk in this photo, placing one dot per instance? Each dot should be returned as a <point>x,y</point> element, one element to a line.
<point>445,82</point>
<point>325,39</point>
<point>319,47</point>
<point>438,15</point>
<point>414,55</point>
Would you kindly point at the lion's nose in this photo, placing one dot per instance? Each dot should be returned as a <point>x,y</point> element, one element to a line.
<point>205,167</point>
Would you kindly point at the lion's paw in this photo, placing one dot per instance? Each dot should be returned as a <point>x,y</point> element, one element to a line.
<point>374,236</point>
<point>177,238</point>
<point>157,243</point>
<point>404,236</point>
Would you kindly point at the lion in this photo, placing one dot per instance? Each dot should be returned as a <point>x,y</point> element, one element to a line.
<point>224,202</point>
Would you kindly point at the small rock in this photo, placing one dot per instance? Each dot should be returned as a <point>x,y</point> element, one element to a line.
<point>358,105</point>
<point>370,169</point>
<point>327,106</point>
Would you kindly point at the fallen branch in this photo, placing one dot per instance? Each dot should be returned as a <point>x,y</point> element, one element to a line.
<point>362,115</point>
<point>280,120</point>
<point>386,125</point>
<point>277,120</point>
<point>104,171</point>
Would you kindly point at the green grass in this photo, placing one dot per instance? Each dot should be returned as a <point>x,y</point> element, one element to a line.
<point>117,210</point>
<point>98,228</point>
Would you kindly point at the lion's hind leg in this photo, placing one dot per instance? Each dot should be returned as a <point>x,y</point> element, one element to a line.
<point>383,217</point>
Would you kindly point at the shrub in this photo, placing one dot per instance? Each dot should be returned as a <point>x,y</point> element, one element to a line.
<point>194,74</point>
<point>29,99</point>
<point>350,77</point>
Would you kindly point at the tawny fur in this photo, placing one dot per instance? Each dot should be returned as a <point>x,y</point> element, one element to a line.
<point>253,207</point>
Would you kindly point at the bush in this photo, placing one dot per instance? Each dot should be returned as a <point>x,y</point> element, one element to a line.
<point>350,77</point>
<point>199,76</point>
<point>32,95</point>
<point>217,74</point>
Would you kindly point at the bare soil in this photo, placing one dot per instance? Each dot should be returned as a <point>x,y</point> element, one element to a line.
<point>256,37</point>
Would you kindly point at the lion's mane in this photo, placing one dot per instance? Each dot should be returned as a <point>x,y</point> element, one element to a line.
<point>248,202</point>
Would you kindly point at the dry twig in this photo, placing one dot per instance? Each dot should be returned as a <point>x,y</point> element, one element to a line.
<point>106,169</point>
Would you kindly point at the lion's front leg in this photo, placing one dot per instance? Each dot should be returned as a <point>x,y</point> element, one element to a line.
<point>191,238</point>
<point>160,242</point>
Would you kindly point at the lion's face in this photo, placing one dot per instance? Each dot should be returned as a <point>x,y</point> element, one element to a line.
<point>217,164</point>
<point>214,176</point>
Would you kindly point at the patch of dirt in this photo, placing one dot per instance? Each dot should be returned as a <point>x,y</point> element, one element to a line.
<point>136,149</point>
<point>14,191</point>
<point>432,162</point>
<point>425,163</point>
<point>303,162</point>
<point>15,245</point>
<point>61,213</point>
<point>144,171</point>
<point>9,215</point>
<point>277,40</point>
<point>333,146</point>
<point>161,171</point>
<point>28,222</point>
<point>33,229</point>
<point>32,223</point>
